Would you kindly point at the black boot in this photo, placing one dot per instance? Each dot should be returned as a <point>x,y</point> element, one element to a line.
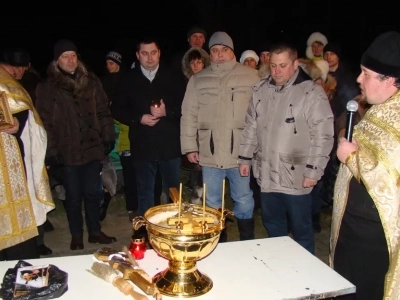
<point>246,229</point>
<point>316,223</point>
<point>223,237</point>
<point>104,206</point>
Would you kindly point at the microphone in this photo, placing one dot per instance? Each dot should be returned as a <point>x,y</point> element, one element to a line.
<point>352,107</point>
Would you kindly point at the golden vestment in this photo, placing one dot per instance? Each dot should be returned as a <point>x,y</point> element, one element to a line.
<point>24,200</point>
<point>377,164</point>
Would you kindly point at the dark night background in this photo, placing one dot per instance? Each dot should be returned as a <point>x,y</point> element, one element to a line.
<point>100,27</point>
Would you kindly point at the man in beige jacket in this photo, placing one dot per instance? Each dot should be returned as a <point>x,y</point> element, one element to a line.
<point>213,113</point>
<point>289,132</point>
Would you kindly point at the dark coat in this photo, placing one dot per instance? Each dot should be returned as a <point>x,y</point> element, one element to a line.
<point>110,82</point>
<point>133,100</point>
<point>75,113</point>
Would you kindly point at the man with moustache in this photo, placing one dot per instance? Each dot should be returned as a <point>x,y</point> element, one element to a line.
<point>365,244</point>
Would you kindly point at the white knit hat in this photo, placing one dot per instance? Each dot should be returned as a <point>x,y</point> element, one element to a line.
<point>324,67</point>
<point>249,53</point>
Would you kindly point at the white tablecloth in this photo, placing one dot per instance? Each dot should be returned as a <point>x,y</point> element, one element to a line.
<point>272,268</point>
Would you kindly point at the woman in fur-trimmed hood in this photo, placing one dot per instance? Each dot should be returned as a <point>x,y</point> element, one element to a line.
<point>195,56</point>
<point>315,46</point>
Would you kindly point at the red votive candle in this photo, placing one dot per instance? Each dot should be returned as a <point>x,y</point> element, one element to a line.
<point>138,247</point>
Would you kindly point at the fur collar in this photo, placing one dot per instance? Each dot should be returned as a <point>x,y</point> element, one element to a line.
<point>75,86</point>
<point>264,71</point>
<point>314,72</point>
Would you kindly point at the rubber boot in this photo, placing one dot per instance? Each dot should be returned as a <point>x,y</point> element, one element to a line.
<point>104,206</point>
<point>246,229</point>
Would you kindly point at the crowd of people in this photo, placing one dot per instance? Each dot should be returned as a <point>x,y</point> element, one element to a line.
<point>272,124</point>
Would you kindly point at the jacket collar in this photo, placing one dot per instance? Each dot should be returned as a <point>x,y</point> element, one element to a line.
<point>226,66</point>
<point>298,77</point>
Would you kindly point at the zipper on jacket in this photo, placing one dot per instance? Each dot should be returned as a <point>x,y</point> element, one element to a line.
<point>292,119</point>
<point>212,144</point>
<point>232,141</point>
<point>233,106</point>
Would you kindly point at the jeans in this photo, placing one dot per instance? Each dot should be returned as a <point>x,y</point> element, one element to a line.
<point>146,179</point>
<point>274,209</point>
<point>83,181</point>
<point>239,185</point>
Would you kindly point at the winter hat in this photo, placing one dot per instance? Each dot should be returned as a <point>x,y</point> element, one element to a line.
<point>315,37</point>
<point>332,47</point>
<point>115,57</point>
<point>220,38</point>
<point>324,67</point>
<point>249,53</point>
<point>383,55</point>
<point>17,57</point>
<point>196,29</point>
<point>62,46</point>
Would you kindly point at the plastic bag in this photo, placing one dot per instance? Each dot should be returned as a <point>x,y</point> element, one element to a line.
<point>57,284</point>
<point>109,176</point>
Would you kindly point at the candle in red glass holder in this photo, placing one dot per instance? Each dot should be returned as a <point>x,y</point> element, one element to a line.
<point>138,247</point>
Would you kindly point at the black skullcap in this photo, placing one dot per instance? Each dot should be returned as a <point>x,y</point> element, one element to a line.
<point>383,55</point>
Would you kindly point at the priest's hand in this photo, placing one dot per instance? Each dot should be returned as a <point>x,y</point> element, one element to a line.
<point>12,130</point>
<point>345,148</point>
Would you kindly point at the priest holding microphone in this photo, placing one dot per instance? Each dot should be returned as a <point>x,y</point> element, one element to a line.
<point>365,234</point>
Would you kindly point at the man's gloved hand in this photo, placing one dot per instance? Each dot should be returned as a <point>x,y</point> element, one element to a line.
<point>108,147</point>
<point>54,161</point>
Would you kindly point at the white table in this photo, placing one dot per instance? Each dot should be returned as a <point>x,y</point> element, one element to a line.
<point>272,268</point>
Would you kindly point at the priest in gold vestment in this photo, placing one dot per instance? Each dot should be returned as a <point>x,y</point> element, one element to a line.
<point>365,237</point>
<point>25,196</point>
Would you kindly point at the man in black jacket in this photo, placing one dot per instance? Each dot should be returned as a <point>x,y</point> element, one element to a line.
<point>149,102</point>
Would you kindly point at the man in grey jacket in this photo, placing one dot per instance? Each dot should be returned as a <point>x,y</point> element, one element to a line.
<point>213,114</point>
<point>288,135</point>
